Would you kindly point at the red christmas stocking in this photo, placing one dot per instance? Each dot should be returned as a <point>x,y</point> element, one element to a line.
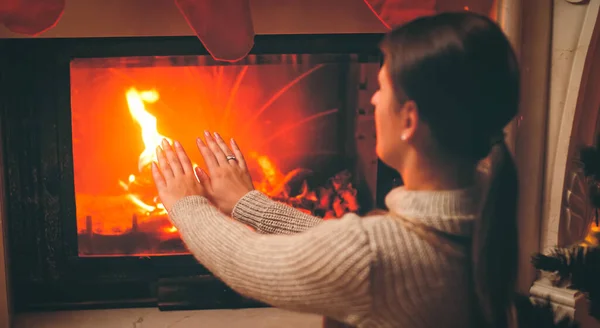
<point>223,26</point>
<point>393,13</point>
<point>30,17</point>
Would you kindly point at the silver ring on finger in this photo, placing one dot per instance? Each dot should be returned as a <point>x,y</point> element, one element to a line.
<point>231,158</point>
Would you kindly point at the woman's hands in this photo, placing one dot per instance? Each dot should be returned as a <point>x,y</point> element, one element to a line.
<point>229,178</point>
<point>174,175</point>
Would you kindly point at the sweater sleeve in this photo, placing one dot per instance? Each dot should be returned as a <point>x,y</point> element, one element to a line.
<point>271,217</point>
<point>324,270</point>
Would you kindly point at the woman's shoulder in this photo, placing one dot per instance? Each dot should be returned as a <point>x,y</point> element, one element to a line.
<point>374,224</point>
<point>384,229</point>
<point>390,235</point>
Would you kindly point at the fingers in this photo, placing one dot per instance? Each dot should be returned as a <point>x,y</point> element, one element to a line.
<point>202,176</point>
<point>159,180</point>
<point>163,163</point>
<point>172,158</point>
<point>222,145</point>
<point>209,157</point>
<point>238,154</point>
<point>184,159</point>
<point>215,149</point>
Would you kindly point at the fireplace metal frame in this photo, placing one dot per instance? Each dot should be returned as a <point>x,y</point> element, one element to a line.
<point>46,272</point>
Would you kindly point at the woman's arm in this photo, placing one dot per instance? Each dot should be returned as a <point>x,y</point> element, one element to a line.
<point>324,270</point>
<point>230,188</point>
<point>271,217</point>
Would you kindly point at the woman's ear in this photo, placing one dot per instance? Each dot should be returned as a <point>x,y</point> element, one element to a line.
<point>409,120</point>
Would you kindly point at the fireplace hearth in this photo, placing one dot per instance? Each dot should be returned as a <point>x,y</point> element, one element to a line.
<point>80,122</point>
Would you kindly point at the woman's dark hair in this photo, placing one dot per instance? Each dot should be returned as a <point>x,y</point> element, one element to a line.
<point>462,73</point>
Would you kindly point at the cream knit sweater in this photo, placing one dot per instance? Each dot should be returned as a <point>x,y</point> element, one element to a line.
<point>366,272</point>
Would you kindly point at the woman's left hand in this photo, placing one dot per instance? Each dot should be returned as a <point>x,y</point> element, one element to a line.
<point>229,178</point>
<point>174,175</point>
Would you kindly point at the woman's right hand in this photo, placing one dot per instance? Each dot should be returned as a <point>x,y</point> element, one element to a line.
<point>228,179</point>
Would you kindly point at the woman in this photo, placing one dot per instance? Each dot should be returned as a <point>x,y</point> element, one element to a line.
<point>445,255</point>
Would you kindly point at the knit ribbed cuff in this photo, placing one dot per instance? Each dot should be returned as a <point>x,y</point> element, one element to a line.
<point>250,209</point>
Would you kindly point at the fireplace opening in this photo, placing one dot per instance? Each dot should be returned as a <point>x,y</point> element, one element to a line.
<point>287,112</point>
<point>84,225</point>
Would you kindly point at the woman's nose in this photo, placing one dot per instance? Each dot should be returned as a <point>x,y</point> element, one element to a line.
<point>374,98</point>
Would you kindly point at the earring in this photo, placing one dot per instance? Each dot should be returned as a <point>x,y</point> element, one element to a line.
<point>403,137</point>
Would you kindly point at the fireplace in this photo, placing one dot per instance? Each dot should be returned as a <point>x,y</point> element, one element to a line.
<point>84,115</point>
<point>288,111</point>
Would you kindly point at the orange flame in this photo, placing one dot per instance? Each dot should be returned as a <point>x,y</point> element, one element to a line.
<point>136,101</point>
<point>271,174</point>
<point>147,123</point>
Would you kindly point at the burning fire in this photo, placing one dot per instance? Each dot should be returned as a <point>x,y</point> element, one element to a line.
<point>331,200</point>
<point>136,101</point>
<point>147,122</point>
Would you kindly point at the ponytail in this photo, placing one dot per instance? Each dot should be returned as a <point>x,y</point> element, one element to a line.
<point>462,73</point>
<point>495,241</point>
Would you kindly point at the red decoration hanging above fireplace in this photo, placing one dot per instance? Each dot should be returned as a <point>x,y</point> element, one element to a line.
<point>30,17</point>
<point>223,26</point>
